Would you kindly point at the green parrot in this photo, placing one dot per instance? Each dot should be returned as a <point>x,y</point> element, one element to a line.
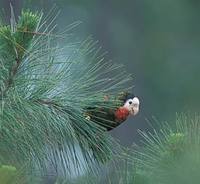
<point>113,111</point>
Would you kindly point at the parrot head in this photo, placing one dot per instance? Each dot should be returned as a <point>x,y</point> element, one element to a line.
<point>130,107</point>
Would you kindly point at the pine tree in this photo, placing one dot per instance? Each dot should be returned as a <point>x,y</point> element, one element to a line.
<point>47,82</point>
<point>169,154</point>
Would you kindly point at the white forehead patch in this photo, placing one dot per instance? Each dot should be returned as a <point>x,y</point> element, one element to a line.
<point>132,105</point>
<point>136,101</point>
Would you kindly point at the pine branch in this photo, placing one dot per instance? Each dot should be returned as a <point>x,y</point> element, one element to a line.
<point>47,89</point>
<point>8,83</point>
<point>169,154</point>
<point>17,43</point>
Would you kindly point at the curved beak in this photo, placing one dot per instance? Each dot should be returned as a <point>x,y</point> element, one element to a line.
<point>134,111</point>
<point>135,106</point>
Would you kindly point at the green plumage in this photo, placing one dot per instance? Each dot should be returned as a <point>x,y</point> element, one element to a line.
<point>104,113</point>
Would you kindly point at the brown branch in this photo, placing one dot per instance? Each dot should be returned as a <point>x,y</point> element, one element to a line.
<point>59,108</point>
<point>12,73</point>
<point>39,33</point>
<point>45,102</point>
<point>51,104</point>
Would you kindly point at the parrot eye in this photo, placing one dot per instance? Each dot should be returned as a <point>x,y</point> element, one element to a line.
<point>130,102</point>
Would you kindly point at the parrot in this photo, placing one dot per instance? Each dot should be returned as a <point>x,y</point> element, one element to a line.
<point>113,111</point>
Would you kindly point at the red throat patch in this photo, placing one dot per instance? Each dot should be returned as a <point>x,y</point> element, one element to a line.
<point>121,114</point>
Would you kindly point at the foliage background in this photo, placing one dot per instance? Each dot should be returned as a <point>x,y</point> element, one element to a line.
<point>157,41</point>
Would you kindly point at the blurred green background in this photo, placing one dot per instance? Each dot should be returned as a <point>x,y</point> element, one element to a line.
<point>158,41</point>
